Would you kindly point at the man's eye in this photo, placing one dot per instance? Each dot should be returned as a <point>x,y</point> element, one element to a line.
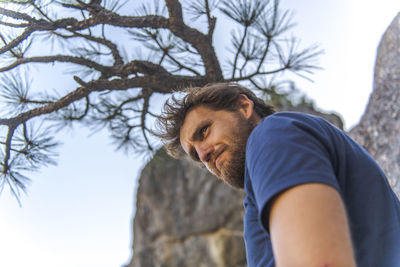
<point>203,130</point>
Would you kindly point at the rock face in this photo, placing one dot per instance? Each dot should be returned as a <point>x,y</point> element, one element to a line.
<point>186,217</point>
<point>379,128</point>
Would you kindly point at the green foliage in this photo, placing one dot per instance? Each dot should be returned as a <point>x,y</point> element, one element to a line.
<point>244,12</point>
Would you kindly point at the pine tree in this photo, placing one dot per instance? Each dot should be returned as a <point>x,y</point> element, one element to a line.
<point>123,56</point>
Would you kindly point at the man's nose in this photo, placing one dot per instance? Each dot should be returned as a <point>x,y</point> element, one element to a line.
<point>204,151</point>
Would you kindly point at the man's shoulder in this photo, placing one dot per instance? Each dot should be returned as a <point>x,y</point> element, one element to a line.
<point>285,130</point>
<point>283,123</point>
<point>290,116</point>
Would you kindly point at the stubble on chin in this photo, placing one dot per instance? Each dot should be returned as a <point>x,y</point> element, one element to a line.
<point>232,173</point>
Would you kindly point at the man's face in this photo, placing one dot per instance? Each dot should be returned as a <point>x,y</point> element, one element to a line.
<point>217,139</point>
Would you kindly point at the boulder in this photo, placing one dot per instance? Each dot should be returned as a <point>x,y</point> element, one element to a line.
<point>186,217</point>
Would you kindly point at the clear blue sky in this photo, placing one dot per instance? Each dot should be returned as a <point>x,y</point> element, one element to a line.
<point>79,213</point>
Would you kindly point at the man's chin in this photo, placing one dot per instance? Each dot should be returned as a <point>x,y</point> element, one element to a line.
<point>215,172</point>
<point>236,185</point>
<point>234,182</point>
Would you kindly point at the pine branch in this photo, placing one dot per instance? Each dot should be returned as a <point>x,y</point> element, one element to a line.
<point>113,47</point>
<point>117,110</point>
<point>147,94</point>
<point>258,73</point>
<point>28,31</point>
<point>266,50</point>
<point>179,64</point>
<point>103,17</point>
<point>14,150</point>
<point>41,11</point>
<point>162,83</point>
<point>202,43</point>
<point>14,25</point>
<point>16,15</point>
<point>208,13</point>
<point>10,133</point>
<point>58,58</point>
<point>239,49</point>
<point>85,112</point>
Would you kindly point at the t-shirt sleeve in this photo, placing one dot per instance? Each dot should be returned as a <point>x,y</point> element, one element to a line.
<point>283,152</point>
<point>258,244</point>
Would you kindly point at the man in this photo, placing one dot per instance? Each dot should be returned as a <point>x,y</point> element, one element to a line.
<point>314,196</point>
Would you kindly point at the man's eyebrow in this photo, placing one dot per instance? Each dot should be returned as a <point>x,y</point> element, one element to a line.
<point>196,133</point>
<point>195,136</point>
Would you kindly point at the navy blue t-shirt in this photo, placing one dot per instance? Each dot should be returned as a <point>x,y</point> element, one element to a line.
<point>288,149</point>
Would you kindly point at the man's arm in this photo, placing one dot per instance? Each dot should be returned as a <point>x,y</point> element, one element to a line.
<point>308,227</point>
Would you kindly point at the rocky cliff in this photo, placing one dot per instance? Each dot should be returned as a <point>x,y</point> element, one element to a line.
<point>186,217</point>
<point>379,128</point>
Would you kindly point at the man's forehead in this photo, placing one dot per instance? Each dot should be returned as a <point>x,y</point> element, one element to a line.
<point>191,119</point>
<point>195,116</point>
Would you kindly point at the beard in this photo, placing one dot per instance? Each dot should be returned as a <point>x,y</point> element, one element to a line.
<point>232,173</point>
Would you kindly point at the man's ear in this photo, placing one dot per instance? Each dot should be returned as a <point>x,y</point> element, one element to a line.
<point>245,106</point>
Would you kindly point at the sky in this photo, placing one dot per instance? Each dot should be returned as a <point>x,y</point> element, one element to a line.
<point>79,213</point>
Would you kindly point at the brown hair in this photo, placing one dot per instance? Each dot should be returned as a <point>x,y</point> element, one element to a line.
<point>217,96</point>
